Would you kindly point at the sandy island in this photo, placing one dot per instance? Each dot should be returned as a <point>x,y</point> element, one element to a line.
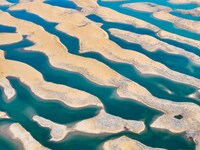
<point>146,7</point>
<point>9,91</point>
<point>125,143</point>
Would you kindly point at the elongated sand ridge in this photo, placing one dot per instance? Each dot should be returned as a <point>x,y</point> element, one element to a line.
<point>28,142</point>
<point>41,88</point>
<point>177,117</point>
<point>82,27</point>
<point>193,12</point>
<point>126,89</point>
<point>152,44</point>
<point>185,1</point>
<point>125,143</point>
<point>8,89</point>
<point>91,7</point>
<point>191,25</point>
<point>146,7</point>
<point>5,3</point>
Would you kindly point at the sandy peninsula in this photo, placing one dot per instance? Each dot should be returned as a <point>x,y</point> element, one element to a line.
<point>190,25</point>
<point>146,7</point>
<point>41,88</point>
<point>28,142</point>
<point>81,27</point>
<point>152,44</point>
<point>125,143</point>
<point>193,12</point>
<point>58,131</point>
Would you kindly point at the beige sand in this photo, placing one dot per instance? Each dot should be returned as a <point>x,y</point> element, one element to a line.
<point>90,7</point>
<point>152,44</point>
<point>185,1</point>
<point>190,25</point>
<point>126,88</point>
<point>3,115</point>
<point>193,12</point>
<point>146,7</point>
<point>43,89</point>
<point>58,131</point>
<point>28,142</point>
<point>102,123</point>
<point>106,123</point>
<point>167,35</point>
<point>9,91</point>
<point>9,38</point>
<point>126,143</point>
<point>100,43</point>
<point>5,3</point>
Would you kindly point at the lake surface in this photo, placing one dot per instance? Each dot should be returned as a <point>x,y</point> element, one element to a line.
<point>25,104</point>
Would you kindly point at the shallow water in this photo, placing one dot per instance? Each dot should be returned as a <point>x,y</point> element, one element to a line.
<point>26,104</point>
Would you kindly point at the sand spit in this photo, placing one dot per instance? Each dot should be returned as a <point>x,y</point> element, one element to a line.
<point>152,44</point>
<point>9,91</point>
<point>125,143</point>
<point>190,25</point>
<point>5,3</point>
<point>106,123</point>
<point>9,38</point>
<point>193,12</point>
<point>3,115</point>
<point>81,27</point>
<point>90,7</point>
<point>58,131</point>
<point>185,1</point>
<point>28,142</point>
<point>43,89</point>
<point>146,7</point>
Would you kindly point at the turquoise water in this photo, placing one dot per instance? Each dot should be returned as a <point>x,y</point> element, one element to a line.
<point>148,18</point>
<point>26,104</point>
